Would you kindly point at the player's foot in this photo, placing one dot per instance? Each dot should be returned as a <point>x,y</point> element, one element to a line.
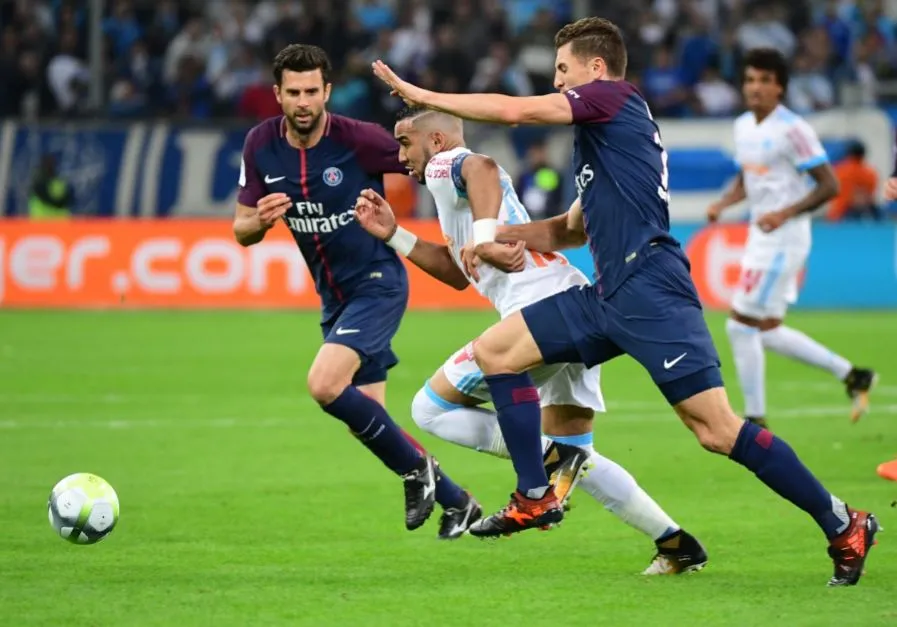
<point>455,521</point>
<point>859,381</point>
<point>520,514</point>
<point>565,466</point>
<point>888,470</point>
<point>757,420</point>
<point>680,553</point>
<point>420,493</point>
<point>849,550</point>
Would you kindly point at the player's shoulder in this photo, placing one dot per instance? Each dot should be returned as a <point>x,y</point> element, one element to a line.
<point>354,133</point>
<point>264,133</point>
<point>603,89</point>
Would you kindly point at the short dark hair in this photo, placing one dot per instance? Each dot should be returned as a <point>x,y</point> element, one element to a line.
<point>595,37</point>
<point>411,111</point>
<point>768,60</point>
<point>301,58</point>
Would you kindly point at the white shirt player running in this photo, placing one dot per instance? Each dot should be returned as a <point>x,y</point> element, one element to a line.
<point>544,275</point>
<point>774,156</point>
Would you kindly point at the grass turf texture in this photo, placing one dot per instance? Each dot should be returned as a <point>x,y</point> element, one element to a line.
<point>242,503</point>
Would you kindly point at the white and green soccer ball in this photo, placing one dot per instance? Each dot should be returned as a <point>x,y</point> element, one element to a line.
<point>83,508</point>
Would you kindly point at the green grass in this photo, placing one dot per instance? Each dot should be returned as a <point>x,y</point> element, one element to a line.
<point>243,504</point>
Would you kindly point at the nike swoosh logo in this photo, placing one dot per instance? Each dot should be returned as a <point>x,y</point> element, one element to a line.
<point>669,364</point>
<point>268,179</point>
<point>342,331</point>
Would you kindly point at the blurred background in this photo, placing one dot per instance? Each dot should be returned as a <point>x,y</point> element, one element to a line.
<point>138,108</point>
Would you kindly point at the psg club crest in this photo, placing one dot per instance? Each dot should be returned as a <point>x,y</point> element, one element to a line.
<point>333,176</point>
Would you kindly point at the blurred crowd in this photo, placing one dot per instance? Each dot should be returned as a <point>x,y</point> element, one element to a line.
<point>210,59</point>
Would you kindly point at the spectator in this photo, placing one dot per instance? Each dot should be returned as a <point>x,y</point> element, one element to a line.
<point>539,186</point>
<point>664,87</point>
<point>713,95</point>
<point>51,196</point>
<point>856,199</point>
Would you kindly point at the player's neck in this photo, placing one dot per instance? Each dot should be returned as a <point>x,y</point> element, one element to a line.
<point>452,145</point>
<point>310,140</point>
<point>762,114</point>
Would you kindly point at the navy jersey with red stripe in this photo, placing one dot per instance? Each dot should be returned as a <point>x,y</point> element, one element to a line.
<point>621,174</point>
<point>324,181</point>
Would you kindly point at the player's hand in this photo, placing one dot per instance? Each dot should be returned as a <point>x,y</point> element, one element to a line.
<point>411,94</point>
<point>375,215</point>
<point>769,222</point>
<point>891,188</point>
<point>470,260</point>
<point>505,257</point>
<point>272,208</point>
<point>714,211</point>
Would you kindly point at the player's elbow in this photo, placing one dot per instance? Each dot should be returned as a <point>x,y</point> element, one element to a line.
<point>460,283</point>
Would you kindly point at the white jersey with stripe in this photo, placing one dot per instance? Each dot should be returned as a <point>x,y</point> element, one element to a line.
<point>545,273</point>
<point>774,156</point>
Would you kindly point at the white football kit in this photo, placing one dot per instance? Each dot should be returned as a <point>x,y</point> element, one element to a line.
<point>774,157</point>
<point>545,274</point>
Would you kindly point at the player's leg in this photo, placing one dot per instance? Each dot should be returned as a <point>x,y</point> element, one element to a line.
<point>759,307</point>
<point>674,345</point>
<point>570,399</point>
<point>888,470</point>
<point>554,330</point>
<point>347,361</point>
<point>744,328</point>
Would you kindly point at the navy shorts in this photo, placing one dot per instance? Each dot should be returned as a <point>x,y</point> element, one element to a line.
<point>654,316</point>
<point>366,323</point>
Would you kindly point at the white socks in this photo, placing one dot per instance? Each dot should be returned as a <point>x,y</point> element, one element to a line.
<point>607,481</point>
<point>794,344</point>
<point>748,344</point>
<point>750,365</point>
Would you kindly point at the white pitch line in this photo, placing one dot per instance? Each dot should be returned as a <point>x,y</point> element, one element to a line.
<point>620,417</point>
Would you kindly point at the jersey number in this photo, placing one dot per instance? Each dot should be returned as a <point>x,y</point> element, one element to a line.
<point>664,189</point>
<point>543,259</point>
<point>750,278</point>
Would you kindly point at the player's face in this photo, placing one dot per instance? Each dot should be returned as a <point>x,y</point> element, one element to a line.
<point>572,71</point>
<point>303,96</point>
<point>415,148</point>
<point>761,89</point>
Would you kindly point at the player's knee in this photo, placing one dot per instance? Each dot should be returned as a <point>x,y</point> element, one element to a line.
<point>424,410</point>
<point>491,360</point>
<point>324,388</point>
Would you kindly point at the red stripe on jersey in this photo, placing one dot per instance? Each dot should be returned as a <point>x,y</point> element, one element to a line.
<point>319,247</point>
<point>303,173</point>
<point>804,150</point>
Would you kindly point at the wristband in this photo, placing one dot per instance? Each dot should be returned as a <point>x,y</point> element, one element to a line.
<point>484,231</point>
<point>402,241</point>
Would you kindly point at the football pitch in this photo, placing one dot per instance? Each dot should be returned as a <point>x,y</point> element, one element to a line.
<point>243,504</point>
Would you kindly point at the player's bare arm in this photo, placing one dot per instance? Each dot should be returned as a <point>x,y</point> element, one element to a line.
<point>484,193</point>
<point>548,236</point>
<point>498,108</point>
<point>826,188</point>
<point>376,216</point>
<point>732,196</point>
<point>251,223</point>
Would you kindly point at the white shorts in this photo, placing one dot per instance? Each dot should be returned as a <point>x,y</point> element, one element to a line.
<point>558,384</point>
<point>769,282</point>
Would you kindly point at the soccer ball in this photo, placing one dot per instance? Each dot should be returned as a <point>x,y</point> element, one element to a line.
<point>83,508</point>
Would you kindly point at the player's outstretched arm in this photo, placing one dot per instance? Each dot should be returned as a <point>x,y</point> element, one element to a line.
<point>498,108</point>
<point>547,236</point>
<point>251,223</point>
<point>732,196</point>
<point>376,217</point>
